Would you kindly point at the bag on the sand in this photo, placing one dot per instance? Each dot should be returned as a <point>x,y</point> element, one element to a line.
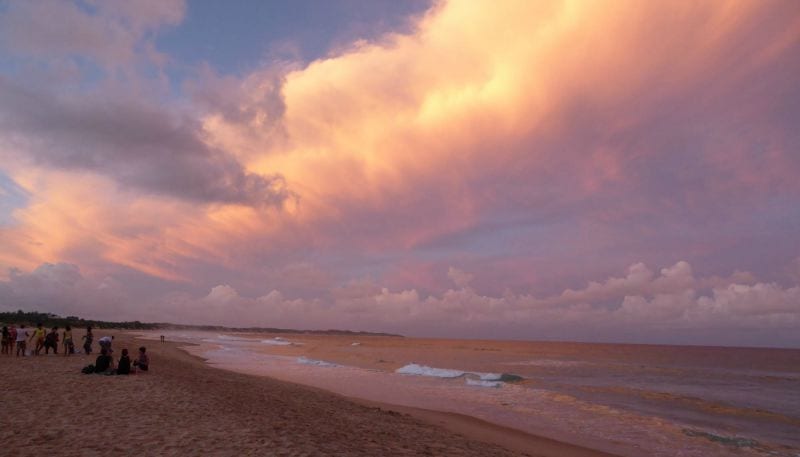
<point>88,369</point>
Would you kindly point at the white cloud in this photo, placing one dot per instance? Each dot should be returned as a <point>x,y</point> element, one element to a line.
<point>651,306</point>
<point>761,299</point>
<point>460,278</point>
<point>638,278</point>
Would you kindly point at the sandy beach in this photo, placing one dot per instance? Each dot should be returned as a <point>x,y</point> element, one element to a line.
<point>184,407</point>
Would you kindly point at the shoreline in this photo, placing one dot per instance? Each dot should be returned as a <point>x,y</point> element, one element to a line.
<point>472,427</point>
<point>488,432</point>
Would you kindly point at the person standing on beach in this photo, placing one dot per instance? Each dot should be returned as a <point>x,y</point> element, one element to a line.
<point>6,337</point>
<point>39,334</point>
<point>22,336</point>
<point>51,341</point>
<point>12,339</point>
<point>69,346</point>
<point>88,338</point>
<point>105,343</point>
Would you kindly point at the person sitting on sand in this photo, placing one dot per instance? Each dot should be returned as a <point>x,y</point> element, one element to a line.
<point>69,346</point>
<point>6,337</point>
<point>104,363</point>
<point>51,341</point>
<point>22,336</point>
<point>38,334</point>
<point>124,365</point>
<point>88,338</point>
<point>143,362</point>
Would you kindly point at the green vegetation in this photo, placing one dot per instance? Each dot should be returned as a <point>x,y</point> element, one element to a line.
<point>49,320</point>
<point>53,320</point>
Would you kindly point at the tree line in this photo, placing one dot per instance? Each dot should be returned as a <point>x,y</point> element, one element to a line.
<point>54,320</point>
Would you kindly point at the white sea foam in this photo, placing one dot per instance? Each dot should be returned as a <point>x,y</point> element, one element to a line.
<point>490,376</point>
<point>422,370</point>
<point>480,383</point>
<point>355,344</point>
<point>318,363</point>
<point>277,341</point>
<point>232,338</point>
<point>473,378</point>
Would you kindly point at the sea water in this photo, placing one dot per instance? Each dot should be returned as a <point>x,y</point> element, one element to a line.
<point>627,399</point>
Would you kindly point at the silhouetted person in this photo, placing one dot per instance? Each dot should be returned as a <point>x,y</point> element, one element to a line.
<point>51,341</point>
<point>143,362</point>
<point>103,363</point>
<point>87,340</point>
<point>124,365</point>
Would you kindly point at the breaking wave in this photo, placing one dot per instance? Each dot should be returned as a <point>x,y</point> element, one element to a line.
<point>473,378</point>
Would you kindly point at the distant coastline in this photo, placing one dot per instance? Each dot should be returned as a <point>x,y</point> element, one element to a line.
<point>50,320</point>
<point>220,328</point>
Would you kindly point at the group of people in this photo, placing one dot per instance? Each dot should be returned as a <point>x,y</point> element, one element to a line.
<point>104,364</point>
<point>20,337</point>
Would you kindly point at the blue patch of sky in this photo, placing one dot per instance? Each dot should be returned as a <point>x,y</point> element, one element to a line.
<point>529,234</point>
<point>764,241</point>
<point>29,71</point>
<point>12,196</point>
<point>8,65</point>
<point>240,36</point>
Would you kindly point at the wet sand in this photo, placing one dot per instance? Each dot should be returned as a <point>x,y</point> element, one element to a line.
<point>185,407</point>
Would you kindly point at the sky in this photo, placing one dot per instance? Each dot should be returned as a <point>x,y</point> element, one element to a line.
<point>611,171</point>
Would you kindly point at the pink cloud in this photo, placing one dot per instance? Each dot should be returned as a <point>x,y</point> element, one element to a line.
<point>480,166</point>
<point>640,301</point>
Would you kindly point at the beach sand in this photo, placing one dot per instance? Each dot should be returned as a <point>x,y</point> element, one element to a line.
<point>184,407</point>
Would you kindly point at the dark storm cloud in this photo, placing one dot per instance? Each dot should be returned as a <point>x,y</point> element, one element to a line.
<point>138,144</point>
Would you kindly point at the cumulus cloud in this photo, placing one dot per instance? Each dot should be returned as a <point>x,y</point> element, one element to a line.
<point>638,278</point>
<point>460,278</point>
<point>419,138</point>
<point>255,101</point>
<point>653,311</point>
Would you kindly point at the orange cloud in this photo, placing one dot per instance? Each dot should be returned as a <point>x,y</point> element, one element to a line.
<point>396,143</point>
<point>378,125</point>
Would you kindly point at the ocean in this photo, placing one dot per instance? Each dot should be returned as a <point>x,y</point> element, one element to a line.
<point>631,400</point>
